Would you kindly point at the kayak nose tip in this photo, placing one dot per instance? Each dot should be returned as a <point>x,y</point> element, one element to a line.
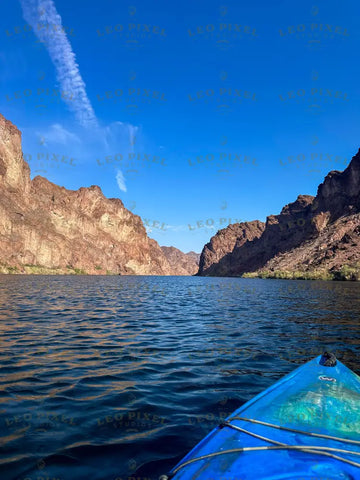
<point>328,359</point>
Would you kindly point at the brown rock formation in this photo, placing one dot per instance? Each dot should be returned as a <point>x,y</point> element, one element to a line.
<point>194,256</point>
<point>334,247</point>
<point>214,254</point>
<point>181,263</point>
<point>44,225</point>
<point>311,234</point>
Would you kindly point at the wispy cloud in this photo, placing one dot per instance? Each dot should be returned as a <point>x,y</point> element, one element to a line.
<point>59,134</point>
<point>177,228</point>
<point>121,181</point>
<point>114,138</point>
<point>133,131</point>
<point>47,26</point>
<point>119,132</point>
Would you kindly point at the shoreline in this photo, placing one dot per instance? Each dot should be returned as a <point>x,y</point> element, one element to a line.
<point>346,273</point>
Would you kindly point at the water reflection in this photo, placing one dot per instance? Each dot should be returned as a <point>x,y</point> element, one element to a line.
<point>100,375</point>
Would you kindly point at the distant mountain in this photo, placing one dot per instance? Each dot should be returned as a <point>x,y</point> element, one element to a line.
<point>45,228</point>
<point>313,237</point>
<point>195,256</point>
<point>224,242</point>
<point>182,263</point>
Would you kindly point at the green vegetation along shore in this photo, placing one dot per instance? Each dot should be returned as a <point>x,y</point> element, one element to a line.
<point>346,272</point>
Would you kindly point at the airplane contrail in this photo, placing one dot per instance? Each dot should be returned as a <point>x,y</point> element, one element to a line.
<point>47,26</point>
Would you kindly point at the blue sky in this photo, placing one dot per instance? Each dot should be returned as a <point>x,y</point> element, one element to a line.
<point>195,114</point>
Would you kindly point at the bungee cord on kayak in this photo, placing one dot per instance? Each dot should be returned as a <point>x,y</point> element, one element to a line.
<point>311,434</point>
<point>309,385</point>
<point>280,446</point>
<point>301,448</point>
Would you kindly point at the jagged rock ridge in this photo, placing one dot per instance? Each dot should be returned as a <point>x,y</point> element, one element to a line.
<point>224,242</point>
<point>182,263</point>
<point>43,225</point>
<point>311,234</point>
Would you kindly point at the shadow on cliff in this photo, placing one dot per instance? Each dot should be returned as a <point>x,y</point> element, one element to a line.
<point>299,222</point>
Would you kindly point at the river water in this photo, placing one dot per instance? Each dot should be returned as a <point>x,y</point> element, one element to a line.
<point>117,378</point>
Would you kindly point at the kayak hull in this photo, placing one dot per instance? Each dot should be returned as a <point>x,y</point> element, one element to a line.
<point>318,399</point>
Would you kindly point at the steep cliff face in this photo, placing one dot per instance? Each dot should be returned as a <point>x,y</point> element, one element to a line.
<point>14,171</point>
<point>312,233</point>
<point>216,254</point>
<point>181,263</point>
<point>335,246</point>
<point>44,225</point>
<point>195,257</point>
<point>339,194</point>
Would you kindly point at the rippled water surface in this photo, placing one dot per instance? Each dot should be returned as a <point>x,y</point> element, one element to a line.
<point>109,378</point>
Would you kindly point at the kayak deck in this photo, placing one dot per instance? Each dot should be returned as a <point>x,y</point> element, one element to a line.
<point>318,399</point>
